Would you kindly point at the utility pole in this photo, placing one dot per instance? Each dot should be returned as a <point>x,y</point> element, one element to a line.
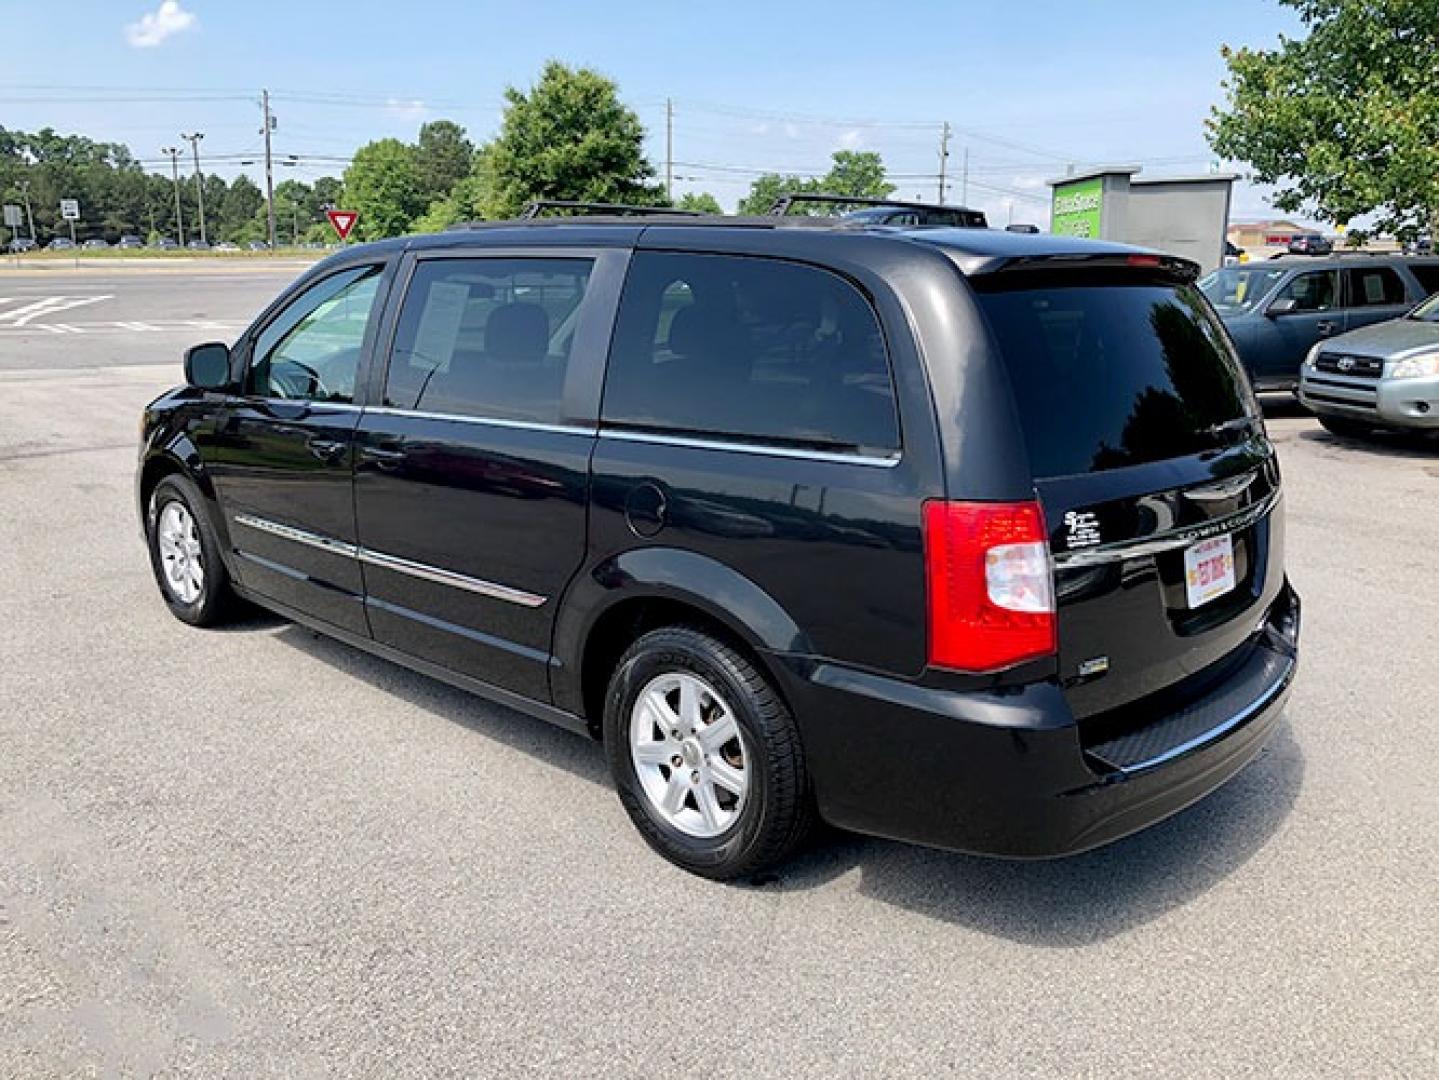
<point>964,180</point>
<point>943,158</point>
<point>173,153</point>
<point>25,194</point>
<point>669,150</point>
<point>194,141</point>
<point>269,126</point>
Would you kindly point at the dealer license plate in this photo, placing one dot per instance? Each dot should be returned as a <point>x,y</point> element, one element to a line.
<point>1209,570</point>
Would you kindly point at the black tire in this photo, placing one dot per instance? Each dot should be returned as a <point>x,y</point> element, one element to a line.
<point>1343,426</point>
<point>777,812</point>
<point>216,602</point>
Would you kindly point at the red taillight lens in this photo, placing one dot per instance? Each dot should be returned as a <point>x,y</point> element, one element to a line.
<point>991,590</point>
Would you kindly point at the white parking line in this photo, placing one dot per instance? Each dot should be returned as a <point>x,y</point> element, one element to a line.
<point>47,305</point>
<point>121,326</point>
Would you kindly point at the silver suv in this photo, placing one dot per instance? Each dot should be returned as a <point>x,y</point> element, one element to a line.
<point>1380,376</point>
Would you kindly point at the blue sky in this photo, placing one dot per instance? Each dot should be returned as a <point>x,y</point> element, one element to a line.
<point>1029,87</point>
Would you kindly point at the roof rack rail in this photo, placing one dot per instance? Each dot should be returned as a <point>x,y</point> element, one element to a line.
<point>539,206</point>
<point>781,206</point>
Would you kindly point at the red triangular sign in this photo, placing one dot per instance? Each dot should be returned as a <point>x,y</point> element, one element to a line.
<point>343,221</point>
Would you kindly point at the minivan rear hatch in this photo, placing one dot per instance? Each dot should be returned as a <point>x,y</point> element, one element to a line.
<point>1158,484</point>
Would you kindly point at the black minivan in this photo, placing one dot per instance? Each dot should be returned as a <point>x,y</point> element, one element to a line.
<point>958,536</point>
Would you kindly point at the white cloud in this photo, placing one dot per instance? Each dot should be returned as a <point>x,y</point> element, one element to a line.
<point>408,108</point>
<point>851,139</point>
<point>155,26</point>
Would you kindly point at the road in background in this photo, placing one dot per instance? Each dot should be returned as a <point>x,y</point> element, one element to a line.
<point>58,318</point>
<point>262,853</point>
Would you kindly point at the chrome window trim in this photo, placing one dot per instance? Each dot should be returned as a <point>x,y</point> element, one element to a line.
<point>490,421</point>
<point>307,403</point>
<point>762,449</point>
<point>392,562</point>
<point>1169,541</point>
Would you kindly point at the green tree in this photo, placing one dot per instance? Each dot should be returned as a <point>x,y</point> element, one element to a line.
<point>242,210</point>
<point>1343,122</point>
<point>701,201</point>
<point>858,173</point>
<point>295,211</point>
<point>383,185</point>
<point>443,157</point>
<point>569,137</point>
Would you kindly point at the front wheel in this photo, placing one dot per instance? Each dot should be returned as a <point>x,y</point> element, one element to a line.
<point>706,757</point>
<point>185,554</point>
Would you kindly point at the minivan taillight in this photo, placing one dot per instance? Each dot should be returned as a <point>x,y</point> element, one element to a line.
<point>991,589</point>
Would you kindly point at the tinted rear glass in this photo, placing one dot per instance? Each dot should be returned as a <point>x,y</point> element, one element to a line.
<point>1108,374</point>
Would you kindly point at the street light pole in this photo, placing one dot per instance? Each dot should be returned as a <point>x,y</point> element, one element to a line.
<point>173,154</point>
<point>25,194</point>
<point>194,141</point>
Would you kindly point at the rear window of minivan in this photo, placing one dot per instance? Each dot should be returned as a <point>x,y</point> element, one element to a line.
<point>749,348</point>
<point>1112,371</point>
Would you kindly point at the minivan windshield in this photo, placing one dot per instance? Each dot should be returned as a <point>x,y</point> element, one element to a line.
<point>1110,372</point>
<point>1236,289</point>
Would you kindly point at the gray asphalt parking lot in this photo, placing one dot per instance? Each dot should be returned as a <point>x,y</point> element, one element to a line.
<point>257,852</point>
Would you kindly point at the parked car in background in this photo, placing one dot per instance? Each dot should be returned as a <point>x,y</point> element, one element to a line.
<point>1310,244</point>
<point>1233,254</point>
<point>1279,309</point>
<point>130,241</point>
<point>956,536</point>
<point>60,243</point>
<point>165,243</point>
<point>95,243</point>
<point>21,244</point>
<point>257,245</point>
<point>197,245</point>
<point>1382,376</point>
<point>226,245</point>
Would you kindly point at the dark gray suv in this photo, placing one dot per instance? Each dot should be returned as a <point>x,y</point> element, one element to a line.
<point>1278,310</point>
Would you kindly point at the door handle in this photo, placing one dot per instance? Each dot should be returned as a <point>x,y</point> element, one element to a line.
<point>1325,326</point>
<point>382,456</point>
<point>327,449</point>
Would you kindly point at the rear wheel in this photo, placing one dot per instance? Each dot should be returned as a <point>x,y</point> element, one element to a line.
<point>1341,425</point>
<point>705,756</point>
<point>185,554</point>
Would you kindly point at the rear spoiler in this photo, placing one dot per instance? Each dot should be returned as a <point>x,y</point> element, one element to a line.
<point>1168,265</point>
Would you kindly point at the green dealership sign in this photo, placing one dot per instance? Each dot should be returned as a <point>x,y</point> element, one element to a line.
<point>1077,208</point>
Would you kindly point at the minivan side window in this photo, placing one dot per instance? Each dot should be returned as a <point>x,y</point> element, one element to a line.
<point>311,350</point>
<point>1374,286</point>
<point>487,337</point>
<point>749,348</point>
<point>1312,292</point>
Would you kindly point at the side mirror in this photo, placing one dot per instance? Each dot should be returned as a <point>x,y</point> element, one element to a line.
<point>207,366</point>
<point>1285,305</point>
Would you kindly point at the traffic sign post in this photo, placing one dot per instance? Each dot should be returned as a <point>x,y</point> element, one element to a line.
<point>70,211</point>
<point>343,221</point>
<point>13,219</point>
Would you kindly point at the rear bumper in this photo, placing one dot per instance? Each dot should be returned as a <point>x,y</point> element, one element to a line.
<point>1010,773</point>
